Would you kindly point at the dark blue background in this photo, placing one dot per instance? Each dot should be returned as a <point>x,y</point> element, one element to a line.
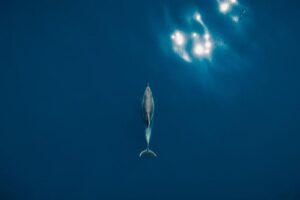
<point>72,74</point>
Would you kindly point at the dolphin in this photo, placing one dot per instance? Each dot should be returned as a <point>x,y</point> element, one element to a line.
<point>148,112</point>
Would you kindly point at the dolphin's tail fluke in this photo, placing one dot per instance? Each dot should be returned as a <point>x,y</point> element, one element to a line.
<point>148,152</point>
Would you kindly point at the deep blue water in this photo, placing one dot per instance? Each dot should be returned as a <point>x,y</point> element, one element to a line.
<point>72,74</point>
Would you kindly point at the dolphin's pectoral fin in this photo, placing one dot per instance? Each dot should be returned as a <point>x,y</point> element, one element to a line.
<point>148,152</point>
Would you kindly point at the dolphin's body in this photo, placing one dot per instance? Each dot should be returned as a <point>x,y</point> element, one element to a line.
<point>148,112</point>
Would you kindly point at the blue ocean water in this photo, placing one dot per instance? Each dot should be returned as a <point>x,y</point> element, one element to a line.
<point>72,75</point>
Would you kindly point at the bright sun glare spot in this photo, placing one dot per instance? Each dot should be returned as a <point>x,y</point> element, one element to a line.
<point>193,45</point>
<point>224,7</point>
<point>178,38</point>
<point>233,1</point>
<point>198,49</point>
<point>208,45</point>
<point>206,36</point>
<point>195,35</point>
<point>198,17</point>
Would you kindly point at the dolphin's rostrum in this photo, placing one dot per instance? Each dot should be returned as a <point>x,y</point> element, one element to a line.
<point>148,112</point>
